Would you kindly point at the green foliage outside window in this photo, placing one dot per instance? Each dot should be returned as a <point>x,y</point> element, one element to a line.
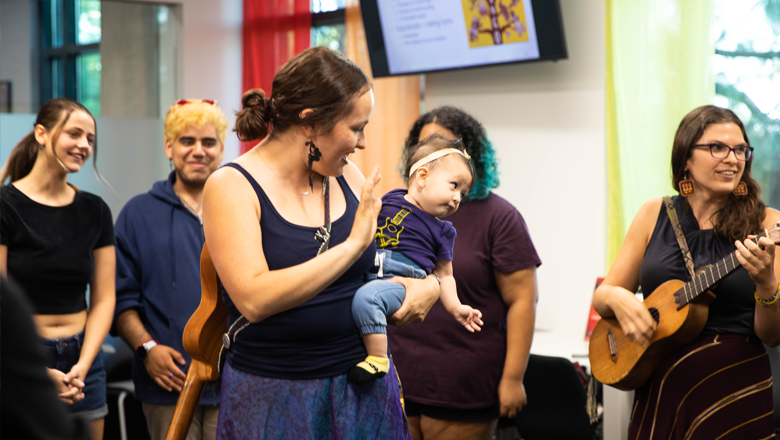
<point>747,80</point>
<point>89,68</point>
<point>333,37</point>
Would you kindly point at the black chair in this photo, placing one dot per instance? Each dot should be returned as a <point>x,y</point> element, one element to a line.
<point>556,402</point>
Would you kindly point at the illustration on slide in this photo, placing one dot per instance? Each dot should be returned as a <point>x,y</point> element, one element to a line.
<point>492,22</point>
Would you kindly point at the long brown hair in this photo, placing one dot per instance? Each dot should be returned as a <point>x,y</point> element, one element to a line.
<point>740,216</point>
<point>317,78</point>
<point>52,116</point>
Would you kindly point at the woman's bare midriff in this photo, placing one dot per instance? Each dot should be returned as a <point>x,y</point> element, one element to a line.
<point>60,326</point>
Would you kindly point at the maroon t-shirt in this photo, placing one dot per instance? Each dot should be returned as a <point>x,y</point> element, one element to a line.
<point>440,363</point>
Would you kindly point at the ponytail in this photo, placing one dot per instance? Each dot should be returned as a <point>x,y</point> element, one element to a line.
<point>21,160</point>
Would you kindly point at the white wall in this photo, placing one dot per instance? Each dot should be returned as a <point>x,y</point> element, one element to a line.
<point>212,58</point>
<point>547,123</point>
<point>211,67</point>
<point>16,42</point>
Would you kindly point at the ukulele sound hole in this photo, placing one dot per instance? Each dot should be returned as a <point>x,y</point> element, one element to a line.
<point>654,313</point>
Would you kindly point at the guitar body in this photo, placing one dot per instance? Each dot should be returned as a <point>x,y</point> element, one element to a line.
<point>627,365</point>
<point>203,341</point>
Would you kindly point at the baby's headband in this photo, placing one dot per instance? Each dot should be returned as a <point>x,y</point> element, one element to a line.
<point>435,155</point>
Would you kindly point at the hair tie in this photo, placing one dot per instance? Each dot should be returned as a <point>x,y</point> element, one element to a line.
<point>435,155</point>
<point>268,110</point>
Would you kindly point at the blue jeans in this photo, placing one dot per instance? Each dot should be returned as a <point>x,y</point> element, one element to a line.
<point>62,354</point>
<point>378,299</point>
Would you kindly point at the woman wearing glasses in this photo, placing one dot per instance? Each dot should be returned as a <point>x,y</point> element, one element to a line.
<point>720,384</point>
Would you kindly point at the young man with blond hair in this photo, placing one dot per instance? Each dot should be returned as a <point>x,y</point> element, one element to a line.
<point>159,240</point>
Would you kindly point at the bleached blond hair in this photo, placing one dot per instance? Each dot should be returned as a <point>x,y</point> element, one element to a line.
<point>195,113</point>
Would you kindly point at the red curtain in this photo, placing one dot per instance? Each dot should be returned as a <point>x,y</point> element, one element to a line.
<point>273,32</point>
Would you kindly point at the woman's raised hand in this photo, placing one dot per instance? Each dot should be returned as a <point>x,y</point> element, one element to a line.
<point>364,227</point>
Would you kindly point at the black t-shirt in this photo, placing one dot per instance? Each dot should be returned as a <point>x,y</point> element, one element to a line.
<point>50,248</point>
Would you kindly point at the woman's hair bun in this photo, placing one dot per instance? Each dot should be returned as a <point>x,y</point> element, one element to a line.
<point>252,120</point>
<point>253,98</point>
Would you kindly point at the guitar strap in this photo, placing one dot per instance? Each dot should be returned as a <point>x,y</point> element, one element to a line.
<point>678,232</point>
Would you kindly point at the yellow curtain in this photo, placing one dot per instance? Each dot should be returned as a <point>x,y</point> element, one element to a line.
<point>659,55</point>
<point>396,107</point>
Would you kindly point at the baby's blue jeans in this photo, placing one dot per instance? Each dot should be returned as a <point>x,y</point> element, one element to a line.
<point>378,299</point>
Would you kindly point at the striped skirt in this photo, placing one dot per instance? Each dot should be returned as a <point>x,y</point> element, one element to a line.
<point>716,387</point>
<point>255,407</point>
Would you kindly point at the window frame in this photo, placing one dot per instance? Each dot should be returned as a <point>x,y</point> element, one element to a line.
<point>329,18</point>
<point>68,53</point>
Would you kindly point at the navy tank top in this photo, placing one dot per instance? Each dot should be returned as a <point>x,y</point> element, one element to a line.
<point>734,306</point>
<point>319,338</point>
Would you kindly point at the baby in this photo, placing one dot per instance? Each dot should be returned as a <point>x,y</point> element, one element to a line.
<point>413,242</point>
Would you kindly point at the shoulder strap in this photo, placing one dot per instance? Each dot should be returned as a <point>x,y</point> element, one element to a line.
<point>678,232</point>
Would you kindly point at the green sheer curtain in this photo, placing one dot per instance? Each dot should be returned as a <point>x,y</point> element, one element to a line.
<point>659,55</point>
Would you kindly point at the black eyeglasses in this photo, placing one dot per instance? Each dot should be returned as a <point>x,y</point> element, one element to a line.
<point>720,151</point>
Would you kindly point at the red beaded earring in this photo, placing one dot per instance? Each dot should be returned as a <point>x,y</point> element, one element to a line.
<point>741,189</point>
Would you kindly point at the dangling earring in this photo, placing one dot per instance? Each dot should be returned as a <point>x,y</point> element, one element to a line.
<point>741,189</point>
<point>170,164</point>
<point>314,156</point>
<point>686,186</point>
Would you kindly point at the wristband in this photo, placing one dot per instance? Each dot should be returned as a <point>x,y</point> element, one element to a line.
<point>768,301</point>
<point>437,278</point>
<point>144,347</point>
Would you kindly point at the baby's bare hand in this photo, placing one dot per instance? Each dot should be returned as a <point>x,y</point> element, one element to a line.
<point>469,318</point>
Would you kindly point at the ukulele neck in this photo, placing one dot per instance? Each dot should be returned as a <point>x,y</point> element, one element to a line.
<point>710,276</point>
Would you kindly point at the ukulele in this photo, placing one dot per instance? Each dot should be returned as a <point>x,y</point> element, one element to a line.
<point>680,309</point>
<point>203,341</point>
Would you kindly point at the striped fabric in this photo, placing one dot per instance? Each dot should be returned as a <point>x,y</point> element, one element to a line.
<point>718,387</point>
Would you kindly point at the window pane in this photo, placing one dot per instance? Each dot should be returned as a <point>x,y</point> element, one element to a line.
<point>333,37</point>
<point>747,71</point>
<point>56,78</point>
<point>88,21</point>
<point>327,5</point>
<point>89,81</point>
<point>56,22</point>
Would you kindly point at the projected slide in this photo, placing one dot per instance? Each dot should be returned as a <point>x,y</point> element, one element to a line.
<point>422,35</point>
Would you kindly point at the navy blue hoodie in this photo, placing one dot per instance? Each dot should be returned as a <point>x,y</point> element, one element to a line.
<point>158,246</point>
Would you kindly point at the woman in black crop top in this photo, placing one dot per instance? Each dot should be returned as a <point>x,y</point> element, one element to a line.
<point>263,218</point>
<point>720,384</point>
<point>56,239</point>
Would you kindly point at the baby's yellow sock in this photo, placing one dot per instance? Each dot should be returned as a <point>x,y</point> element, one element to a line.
<point>370,369</point>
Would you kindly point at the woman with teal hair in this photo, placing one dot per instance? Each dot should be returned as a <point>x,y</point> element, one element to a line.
<point>456,387</point>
